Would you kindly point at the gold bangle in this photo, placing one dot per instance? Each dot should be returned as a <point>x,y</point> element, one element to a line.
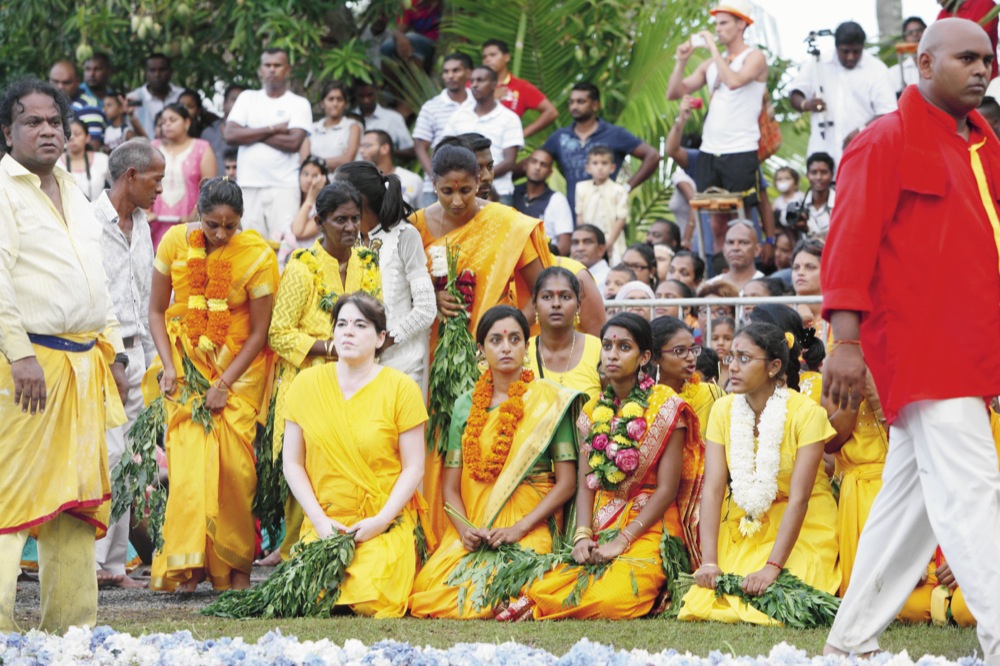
<point>582,537</point>
<point>328,347</point>
<point>628,535</point>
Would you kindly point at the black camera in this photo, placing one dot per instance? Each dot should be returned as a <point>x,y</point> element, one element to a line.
<point>796,214</point>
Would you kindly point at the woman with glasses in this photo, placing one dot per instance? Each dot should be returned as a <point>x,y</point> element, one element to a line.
<point>637,438</point>
<point>560,353</point>
<point>766,504</point>
<point>813,351</point>
<point>641,258</point>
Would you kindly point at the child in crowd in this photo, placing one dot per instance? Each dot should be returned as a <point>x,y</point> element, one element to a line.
<point>119,129</point>
<point>603,202</point>
<point>723,331</point>
<point>229,162</point>
<point>618,276</point>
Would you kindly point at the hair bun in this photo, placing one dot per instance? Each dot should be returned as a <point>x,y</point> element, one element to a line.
<point>808,336</point>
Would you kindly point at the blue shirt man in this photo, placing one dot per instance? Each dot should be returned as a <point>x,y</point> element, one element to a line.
<point>569,145</point>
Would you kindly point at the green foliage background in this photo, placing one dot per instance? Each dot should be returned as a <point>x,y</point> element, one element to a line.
<point>624,46</point>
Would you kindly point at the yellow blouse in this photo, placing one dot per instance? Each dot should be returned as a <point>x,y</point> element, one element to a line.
<point>298,320</point>
<point>583,377</point>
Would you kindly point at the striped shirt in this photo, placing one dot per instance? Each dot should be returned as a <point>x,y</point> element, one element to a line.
<point>52,281</point>
<point>129,266</point>
<point>433,116</point>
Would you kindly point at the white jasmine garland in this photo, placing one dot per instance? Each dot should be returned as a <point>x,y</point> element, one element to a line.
<point>439,261</point>
<point>755,475</point>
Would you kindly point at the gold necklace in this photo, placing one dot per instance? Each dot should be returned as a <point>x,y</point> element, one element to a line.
<point>569,363</point>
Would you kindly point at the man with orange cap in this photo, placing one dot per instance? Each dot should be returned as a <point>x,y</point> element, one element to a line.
<point>737,83</point>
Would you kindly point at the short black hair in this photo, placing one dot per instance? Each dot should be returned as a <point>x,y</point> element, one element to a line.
<point>493,75</point>
<point>231,87</point>
<point>601,151</point>
<point>99,55</point>
<point>156,55</point>
<point>826,158</point>
<point>849,32</point>
<point>471,140</point>
<point>26,86</point>
<point>913,19</point>
<point>699,263</point>
<point>596,231</point>
<point>990,107</point>
<point>499,43</point>
<point>275,50</point>
<point>589,88</point>
<point>383,138</point>
<point>231,153</point>
<point>460,57</point>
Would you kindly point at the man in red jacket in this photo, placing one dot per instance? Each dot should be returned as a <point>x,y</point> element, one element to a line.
<point>911,285</point>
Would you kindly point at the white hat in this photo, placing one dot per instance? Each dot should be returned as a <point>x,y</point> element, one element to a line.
<point>738,8</point>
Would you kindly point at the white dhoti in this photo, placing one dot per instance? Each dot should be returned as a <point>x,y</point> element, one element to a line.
<point>940,485</point>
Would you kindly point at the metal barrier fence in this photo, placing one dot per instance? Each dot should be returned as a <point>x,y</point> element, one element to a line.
<point>691,303</point>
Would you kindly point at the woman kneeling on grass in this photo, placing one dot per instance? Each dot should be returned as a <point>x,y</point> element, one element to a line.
<point>508,470</point>
<point>635,437</point>
<point>779,511</point>
<point>354,456</point>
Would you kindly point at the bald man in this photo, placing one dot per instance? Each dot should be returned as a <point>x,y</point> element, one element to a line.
<point>64,75</point>
<point>916,204</point>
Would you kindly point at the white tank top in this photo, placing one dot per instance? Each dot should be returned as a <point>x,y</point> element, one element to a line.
<point>732,125</point>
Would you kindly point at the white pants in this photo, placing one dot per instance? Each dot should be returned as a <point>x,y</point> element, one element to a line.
<point>269,210</point>
<point>940,485</point>
<point>111,552</point>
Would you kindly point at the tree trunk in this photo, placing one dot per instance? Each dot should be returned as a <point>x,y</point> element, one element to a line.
<point>890,18</point>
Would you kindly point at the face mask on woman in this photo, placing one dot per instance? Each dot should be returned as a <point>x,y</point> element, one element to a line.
<point>783,185</point>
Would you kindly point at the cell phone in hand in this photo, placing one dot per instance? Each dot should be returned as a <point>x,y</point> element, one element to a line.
<point>133,103</point>
<point>697,40</point>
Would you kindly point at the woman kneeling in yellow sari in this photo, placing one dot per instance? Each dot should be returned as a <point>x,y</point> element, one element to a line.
<point>213,372</point>
<point>635,439</point>
<point>354,456</point>
<point>779,512</point>
<point>509,467</point>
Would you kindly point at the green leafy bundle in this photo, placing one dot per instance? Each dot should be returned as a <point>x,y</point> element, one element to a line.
<point>193,385</point>
<point>454,370</point>
<point>137,470</point>
<point>676,564</point>
<point>272,489</point>
<point>308,585</point>
<point>789,600</point>
<point>494,577</point>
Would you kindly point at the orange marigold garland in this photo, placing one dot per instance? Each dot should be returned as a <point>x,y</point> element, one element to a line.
<point>511,413</point>
<point>207,319</point>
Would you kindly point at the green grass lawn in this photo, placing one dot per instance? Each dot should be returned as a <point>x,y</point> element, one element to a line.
<point>557,637</point>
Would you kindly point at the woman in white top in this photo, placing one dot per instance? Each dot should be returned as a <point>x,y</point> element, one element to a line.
<point>89,168</point>
<point>407,290</point>
<point>336,137</point>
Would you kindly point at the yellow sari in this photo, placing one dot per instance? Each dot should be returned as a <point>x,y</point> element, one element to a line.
<point>299,320</point>
<point>859,465</point>
<point>209,524</point>
<point>814,556</point>
<point>613,595</point>
<point>527,476</point>
<point>352,459</point>
<point>495,245</point>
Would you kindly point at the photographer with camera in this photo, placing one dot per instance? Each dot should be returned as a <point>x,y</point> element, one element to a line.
<point>737,82</point>
<point>811,216</point>
<point>843,93</point>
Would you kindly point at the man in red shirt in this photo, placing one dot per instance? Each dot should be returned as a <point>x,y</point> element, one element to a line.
<point>517,94</point>
<point>974,10</point>
<point>911,277</point>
